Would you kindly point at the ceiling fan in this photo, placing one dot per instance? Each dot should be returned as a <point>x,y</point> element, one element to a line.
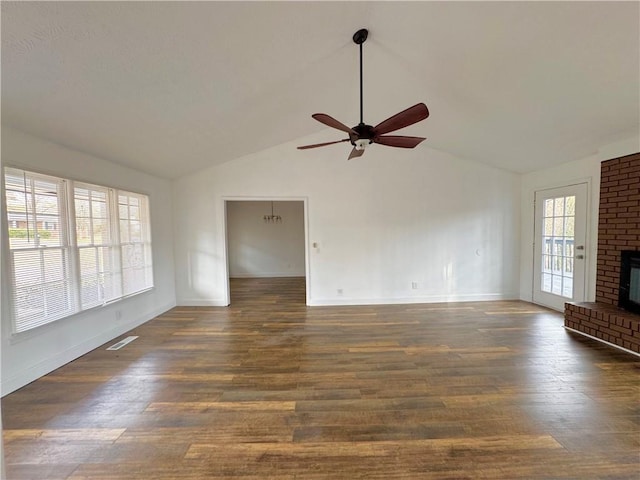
<point>362,134</point>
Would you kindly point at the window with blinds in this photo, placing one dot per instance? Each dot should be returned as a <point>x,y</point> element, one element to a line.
<point>135,242</point>
<point>98,254</point>
<point>72,246</point>
<point>40,251</point>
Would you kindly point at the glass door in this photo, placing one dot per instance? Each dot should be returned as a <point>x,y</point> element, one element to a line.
<point>559,256</point>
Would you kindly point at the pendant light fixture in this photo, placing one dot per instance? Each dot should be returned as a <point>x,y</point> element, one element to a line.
<point>272,218</point>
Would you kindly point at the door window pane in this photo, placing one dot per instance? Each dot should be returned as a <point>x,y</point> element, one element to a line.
<point>558,245</point>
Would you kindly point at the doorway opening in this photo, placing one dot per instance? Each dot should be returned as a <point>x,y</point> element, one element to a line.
<point>266,249</point>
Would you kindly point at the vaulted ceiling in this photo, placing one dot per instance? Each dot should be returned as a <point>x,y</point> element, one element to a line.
<point>173,87</point>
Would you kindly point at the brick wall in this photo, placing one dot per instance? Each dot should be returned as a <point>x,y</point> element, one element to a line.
<point>618,223</point>
<point>618,229</point>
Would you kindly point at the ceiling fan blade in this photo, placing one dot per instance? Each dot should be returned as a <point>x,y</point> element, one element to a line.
<point>331,122</point>
<point>355,153</point>
<point>398,141</point>
<point>403,119</point>
<point>304,147</point>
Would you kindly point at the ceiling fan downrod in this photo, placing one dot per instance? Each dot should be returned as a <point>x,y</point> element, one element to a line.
<point>359,38</point>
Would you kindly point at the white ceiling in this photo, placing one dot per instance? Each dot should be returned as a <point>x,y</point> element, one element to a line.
<point>172,87</point>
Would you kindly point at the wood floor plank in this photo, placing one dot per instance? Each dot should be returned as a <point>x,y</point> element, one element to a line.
<point>271,388</point>
<point>196,407</point>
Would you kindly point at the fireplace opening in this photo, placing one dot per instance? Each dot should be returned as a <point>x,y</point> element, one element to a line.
<point>629,296</point>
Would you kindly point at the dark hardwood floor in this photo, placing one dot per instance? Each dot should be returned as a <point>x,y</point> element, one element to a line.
<point>269,388</point>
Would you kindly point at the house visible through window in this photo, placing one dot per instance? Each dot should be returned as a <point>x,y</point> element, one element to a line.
<point>72,246</point>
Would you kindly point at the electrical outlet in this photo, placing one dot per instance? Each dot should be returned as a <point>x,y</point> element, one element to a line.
<point>339,291</point>
<point>118,314</point>
<point>414,285</point>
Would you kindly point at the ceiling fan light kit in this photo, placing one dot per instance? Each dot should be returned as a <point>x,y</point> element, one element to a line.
<point>362,134</point>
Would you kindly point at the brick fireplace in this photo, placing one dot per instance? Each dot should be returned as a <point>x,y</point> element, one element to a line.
<point>618,230</point>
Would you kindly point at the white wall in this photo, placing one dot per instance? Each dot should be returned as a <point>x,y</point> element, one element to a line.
<point>35,353</point>
<point>380,222</point>
<point>565,174</point>
<point>260,249</point>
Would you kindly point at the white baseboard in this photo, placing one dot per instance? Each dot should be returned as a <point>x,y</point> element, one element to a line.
<point>50,364</point>
<point>341,301</point>
<point>196,302</point>
<point>483,297</point>
<point>267,275</point>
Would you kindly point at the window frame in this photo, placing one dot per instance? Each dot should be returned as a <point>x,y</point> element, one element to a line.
<point>145,237</point>
<point>64,246</point>
<point>111,245</point>
<point>67,230</point>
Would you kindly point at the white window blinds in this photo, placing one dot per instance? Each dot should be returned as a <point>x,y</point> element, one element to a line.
<point>43,281</point>
<point>72,246</point>
<point>98,258</point>
<point>135,242</point>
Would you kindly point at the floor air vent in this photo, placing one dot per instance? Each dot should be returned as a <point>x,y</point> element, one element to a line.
<point>122,343</point>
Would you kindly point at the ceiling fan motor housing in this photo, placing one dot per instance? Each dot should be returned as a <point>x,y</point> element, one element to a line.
<point>362,132</point>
